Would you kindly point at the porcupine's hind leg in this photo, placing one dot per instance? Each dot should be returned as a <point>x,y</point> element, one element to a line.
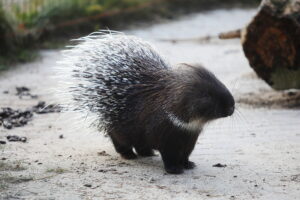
<point>142,148</point>
<point>144,151</point>
<point>121,146</point>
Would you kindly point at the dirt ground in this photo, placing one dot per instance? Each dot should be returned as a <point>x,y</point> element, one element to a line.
<point>65,159</point>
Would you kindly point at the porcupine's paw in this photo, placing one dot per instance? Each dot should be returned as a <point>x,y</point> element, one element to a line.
<point>128,155</point>
<point>174,169</point>
<point>189,165</point>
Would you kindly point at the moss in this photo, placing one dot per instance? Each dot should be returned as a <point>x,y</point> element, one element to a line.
<point>284,78</point>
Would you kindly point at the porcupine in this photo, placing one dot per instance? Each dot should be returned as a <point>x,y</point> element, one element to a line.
<point>141,101</point>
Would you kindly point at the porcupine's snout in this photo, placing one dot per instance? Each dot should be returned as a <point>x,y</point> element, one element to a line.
<point>228,104</point>
<point>230,111</point>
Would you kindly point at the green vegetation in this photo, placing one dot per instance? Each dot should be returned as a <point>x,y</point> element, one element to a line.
<point>5,174</point>
<point>6,178</point>
<point>3,185</point>
<point>26,27</point>
<point>57,170</point>
<point>16,166</point>
<point>12,48</point>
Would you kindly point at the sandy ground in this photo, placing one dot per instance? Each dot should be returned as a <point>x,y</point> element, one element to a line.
<point>259,145</point>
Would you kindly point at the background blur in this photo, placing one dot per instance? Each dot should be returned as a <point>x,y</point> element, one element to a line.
<point>29,24</point>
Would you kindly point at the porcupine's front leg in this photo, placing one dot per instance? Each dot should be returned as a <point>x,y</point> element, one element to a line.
<point>172,162</point>
<point>178,145</point>
<point>191,142</point>
<point>172,153</point>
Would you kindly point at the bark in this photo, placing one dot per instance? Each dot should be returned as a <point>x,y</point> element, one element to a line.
<point>271,43</point>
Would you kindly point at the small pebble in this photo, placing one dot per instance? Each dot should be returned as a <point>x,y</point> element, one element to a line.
<point>2,142</point>
<point>15,138</point>
<point>88,185</point>
<point>219,165</point>
<point>151,180</point>
<point>103,153</point>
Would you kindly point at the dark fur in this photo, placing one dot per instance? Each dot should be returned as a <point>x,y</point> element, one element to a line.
<point>189,92</point>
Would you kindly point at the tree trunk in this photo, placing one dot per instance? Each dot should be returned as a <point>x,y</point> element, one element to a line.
<point>271,43</point>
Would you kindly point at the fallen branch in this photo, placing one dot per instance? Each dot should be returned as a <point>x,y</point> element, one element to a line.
<point>230,34</point>
<point>203,39</point>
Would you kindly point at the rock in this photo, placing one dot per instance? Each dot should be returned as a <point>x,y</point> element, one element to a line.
<point>15,138</point>
<point>219,165</point>
<point>2,142</point>
<point>88,185</point>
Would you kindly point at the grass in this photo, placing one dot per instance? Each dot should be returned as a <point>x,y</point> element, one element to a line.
<point>23,31</point>
<point>6,179</point>
<point>15,166</point>
<point>16,57</point>
<point>3,186</point>
<point>57,170</point>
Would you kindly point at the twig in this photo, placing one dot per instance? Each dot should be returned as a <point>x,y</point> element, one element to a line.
<point>230,34</point>
<point>223,36</point>
<point>204,39</point>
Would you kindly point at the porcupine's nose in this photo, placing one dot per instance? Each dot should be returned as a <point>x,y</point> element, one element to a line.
<point>230,111</point>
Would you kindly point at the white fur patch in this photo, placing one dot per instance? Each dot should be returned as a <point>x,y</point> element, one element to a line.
<point>194,125</point>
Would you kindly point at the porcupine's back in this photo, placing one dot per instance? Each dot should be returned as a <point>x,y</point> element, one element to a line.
<point>104,70</point>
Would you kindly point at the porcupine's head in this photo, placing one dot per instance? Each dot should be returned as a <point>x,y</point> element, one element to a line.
<point>201,99</point>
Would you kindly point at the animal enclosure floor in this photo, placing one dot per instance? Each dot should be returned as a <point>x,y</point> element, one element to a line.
<point>256,153</point>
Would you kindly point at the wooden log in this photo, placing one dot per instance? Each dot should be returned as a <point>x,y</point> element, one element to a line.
<point>271,43</point>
